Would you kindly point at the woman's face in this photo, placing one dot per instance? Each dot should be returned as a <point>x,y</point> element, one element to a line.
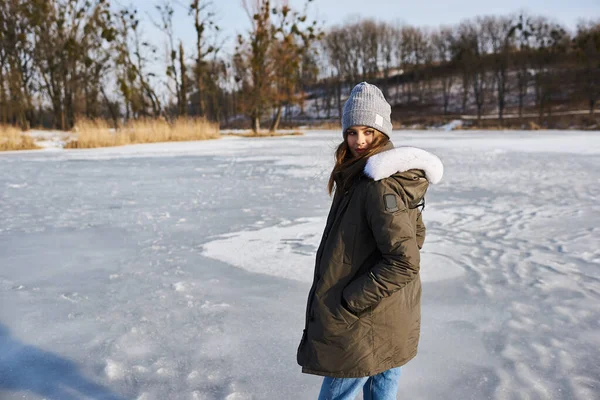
<point>360,138</point>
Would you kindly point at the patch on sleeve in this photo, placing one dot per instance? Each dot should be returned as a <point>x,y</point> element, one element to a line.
<point>391,204</point>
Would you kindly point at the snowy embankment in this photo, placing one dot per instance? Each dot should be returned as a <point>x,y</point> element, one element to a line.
<point>180,270</point>
<point>50,140</point>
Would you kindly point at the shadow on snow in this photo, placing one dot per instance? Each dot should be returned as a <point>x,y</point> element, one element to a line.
<point>27,368</point>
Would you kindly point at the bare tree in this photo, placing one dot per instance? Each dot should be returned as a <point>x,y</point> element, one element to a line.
<point>290,53</point>
<point>442,45</point>
<point>369,48</point>
<point>388,36</point>
<point>335,50</point>
<point>474,42</point>
<point>427,64</point>
<point>500,32</point>
<point>132,63</point>
<point>16,64</point>
<point>406,57</point>
<point>63,31</point>
<point>522,58</point>
<point>587,48</point>
<point>165,10</point>
<point>254,68</point>
<point>550,41</point>
<point>308,69</point>
<point>203,23</point>
<point>183,84</point>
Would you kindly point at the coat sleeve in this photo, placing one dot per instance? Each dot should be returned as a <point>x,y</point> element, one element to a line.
<point>396,241</point>
<point>420,231</point>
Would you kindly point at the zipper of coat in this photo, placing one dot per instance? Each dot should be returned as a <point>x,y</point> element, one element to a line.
<point>317,276</point>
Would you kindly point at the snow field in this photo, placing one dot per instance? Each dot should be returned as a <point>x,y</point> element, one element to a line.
<point>180,270</point>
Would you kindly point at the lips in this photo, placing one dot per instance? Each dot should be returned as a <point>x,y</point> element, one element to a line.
<point>360,150</point>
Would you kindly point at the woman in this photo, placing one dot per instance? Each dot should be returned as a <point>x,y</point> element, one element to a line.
<point>363,311</point>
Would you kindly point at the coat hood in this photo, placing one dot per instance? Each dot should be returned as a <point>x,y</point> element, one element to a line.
<point>408,165</point>
<point>401,159</point>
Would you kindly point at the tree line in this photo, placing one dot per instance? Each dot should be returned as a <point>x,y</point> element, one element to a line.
<point>487,64</point>
<point>63,60</point>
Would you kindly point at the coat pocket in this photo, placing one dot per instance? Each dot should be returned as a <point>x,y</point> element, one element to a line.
<point>348,316</point>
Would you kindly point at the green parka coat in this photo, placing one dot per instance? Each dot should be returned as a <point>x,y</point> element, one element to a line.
<point>363,313</point>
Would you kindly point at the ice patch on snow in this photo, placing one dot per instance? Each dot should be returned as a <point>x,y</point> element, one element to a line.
<point>282,251</point>
<point>214,306</point>
<point>288,250</point>
<point>238,396</point>
<point>16,185</point>
<point>180,286</point>
<point>114,370</point>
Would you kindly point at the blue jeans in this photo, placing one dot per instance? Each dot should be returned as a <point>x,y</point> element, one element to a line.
<point>383,386</point>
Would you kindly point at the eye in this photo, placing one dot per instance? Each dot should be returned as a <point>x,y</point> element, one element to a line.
<point>369,132</point>
<point>350,133</point>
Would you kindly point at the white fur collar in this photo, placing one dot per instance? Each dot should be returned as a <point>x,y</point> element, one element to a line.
<point>400,159</point>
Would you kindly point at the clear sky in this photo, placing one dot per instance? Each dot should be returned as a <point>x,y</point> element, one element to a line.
<point>232,18</point>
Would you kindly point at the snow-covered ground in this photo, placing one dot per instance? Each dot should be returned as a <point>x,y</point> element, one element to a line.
<point>50,139</point>
<point>180,270</point>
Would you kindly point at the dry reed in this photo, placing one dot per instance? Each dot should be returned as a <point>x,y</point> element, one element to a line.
<point>327,125</point>
<point>98,133</point>
<point>12,138</point>
<point>262,134</point>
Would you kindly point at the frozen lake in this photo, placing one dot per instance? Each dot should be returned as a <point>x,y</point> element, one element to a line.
<point>181,270</point>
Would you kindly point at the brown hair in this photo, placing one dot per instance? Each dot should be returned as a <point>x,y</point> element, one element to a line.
<point>345,162</point>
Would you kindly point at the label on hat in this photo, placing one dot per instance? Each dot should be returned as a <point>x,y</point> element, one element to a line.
<point>378,120</point>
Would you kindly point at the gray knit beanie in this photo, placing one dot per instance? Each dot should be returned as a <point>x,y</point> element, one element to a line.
<point>367,106</point>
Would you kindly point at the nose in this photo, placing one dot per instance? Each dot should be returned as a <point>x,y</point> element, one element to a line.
<point>361,138</point>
